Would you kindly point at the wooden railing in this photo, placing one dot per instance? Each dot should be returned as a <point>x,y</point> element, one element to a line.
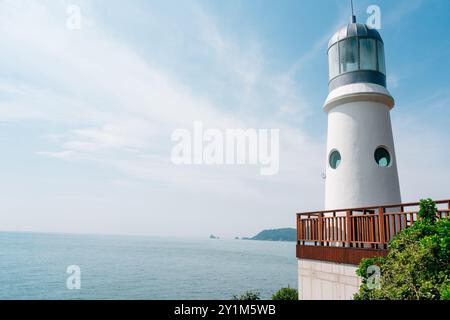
<point>366,228</point>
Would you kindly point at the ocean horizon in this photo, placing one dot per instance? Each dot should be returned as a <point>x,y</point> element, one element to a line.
<point>33,266</point>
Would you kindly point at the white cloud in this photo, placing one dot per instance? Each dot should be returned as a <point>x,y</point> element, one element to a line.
<point>110,107</point>
<point>421,142</point>
<point>117,110</point>
<point>399,11</point>
<point>392,80</point>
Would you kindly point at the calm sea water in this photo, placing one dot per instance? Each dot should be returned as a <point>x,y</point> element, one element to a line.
<point>33,266</point>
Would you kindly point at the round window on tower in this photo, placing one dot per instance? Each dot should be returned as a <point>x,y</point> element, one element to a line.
<point>382,157</point>
<point>335,159</point>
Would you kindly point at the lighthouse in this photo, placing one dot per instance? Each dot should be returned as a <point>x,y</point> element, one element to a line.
<point>361,166</point>
<point>363,209</point>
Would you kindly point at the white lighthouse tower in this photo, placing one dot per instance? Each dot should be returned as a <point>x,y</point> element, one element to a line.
<point>361,163</point>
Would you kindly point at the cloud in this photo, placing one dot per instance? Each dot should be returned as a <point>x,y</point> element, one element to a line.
<point>421,138</point>
<point>399,11</point>
<point>392,80</point>
<point>111,107</point>
<point>106,108</point>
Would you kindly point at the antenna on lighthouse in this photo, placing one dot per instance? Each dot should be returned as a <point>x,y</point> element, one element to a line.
<point>353,18</point>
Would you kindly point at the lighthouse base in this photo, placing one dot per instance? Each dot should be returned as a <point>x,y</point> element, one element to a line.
<point>321,280</point>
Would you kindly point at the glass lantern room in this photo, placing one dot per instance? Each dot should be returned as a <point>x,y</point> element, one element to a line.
<point>356,54</point>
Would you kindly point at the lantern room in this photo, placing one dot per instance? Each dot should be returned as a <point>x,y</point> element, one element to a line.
<point>356,55</point>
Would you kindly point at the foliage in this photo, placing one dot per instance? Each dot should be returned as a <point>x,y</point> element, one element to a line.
<point>248,295</point>
<point>445,293</point>
<point>428,211</point>
<point>286,294</point>
<point>282,294</point>
<point>417,264</point>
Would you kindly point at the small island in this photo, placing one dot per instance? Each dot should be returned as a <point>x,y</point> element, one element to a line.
<point>284,234</point>
<point>213,237</point>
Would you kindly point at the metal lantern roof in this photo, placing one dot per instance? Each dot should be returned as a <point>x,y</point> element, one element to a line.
<point>354,30</point>
<point>345,58</point>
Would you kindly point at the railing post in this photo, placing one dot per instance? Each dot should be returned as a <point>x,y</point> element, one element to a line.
<point>349,227</point>
<point>320,227</point>
<point>448,213</point>
<point>381,226</point>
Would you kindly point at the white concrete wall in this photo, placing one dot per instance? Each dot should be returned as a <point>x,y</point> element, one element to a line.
<point>358,123</point>
<point>320,280</point>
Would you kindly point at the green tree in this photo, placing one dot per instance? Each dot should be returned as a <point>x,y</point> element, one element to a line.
<point>248,295</point>
<point>417,265</point>
<point>286,294</point>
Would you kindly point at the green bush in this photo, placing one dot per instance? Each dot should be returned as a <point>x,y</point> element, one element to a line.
<point>417,265</point>
<point>286,294</point>
<point>428,211</point>
<point>248,295</point>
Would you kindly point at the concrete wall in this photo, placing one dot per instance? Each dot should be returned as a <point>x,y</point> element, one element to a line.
<point>319,280</point>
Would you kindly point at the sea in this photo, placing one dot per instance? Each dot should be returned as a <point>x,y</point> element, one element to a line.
<point>36,266</point>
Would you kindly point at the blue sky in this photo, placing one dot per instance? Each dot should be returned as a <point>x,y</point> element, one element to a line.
<point>86,115</point>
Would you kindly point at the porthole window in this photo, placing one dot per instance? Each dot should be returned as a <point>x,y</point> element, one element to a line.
<point>382,157</point>
<point>335,159</point>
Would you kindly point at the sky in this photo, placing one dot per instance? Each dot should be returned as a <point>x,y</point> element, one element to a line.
<point>87,114</point>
